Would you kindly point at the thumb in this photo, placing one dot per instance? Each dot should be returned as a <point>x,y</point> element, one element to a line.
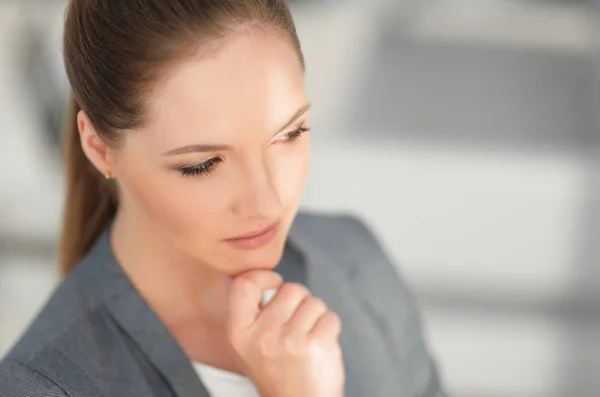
<point>246,293</point>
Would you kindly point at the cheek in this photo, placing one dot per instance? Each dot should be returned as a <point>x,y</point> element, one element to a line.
<point>290,169</point>
<point>184,208</point>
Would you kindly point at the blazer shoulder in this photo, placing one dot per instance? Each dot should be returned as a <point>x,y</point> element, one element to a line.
<point>346,238</point>
<point>314,219</point>
<point>345,233</point>
<point>66,309</point>
<point>19,380</point>
<point>63,360</point>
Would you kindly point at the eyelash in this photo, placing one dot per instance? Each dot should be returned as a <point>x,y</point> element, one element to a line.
<point>204,168</point>
<point>208,167</point>
<point>293,135</point>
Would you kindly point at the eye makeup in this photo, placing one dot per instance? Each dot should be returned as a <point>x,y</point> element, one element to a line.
<point>293,135</point>
<point>204,168</point>
<point>207,167</point>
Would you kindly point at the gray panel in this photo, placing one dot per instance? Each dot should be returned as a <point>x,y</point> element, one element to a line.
<point>463,94</point>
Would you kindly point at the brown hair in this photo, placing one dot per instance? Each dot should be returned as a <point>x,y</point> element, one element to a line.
<point>114,52</point>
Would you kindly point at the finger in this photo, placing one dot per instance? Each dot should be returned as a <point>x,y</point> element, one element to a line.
<point>306,316</point>
<point>246,293</point>
<point>283,305</point>
<point>328,326</point>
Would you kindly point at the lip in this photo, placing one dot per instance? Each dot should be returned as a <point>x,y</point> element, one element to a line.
<point>254,233</point>
<point>256,238</point>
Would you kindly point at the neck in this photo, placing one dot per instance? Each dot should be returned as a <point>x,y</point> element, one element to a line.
<point>190,298</point>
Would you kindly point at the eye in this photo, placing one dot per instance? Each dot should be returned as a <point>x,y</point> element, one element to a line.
<point>203,168</point>
<point>293,135</point>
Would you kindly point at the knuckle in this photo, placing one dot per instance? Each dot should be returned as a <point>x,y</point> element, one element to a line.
<point>316,304</point>
<point>294,289</point>
<point>293,345</point>
<point>240,284</point>
<point>268,345</point>
<point>315,346</point>
<point>334,318</point>
<point>336,322</point>
<point>329,325</point>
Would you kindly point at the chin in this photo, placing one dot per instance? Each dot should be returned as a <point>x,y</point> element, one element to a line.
<point>262,260</point>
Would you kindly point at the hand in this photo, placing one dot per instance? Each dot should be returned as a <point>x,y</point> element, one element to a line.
<point>290,347</point>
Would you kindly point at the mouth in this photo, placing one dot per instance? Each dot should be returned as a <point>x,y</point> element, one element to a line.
<point>255,239</point>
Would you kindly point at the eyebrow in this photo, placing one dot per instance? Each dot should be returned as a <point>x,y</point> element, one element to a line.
<point>199,148</point>
<point>196,148</point>
<point>295,117</point>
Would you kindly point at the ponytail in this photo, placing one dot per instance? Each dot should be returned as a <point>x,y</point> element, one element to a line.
<point>90,199</point>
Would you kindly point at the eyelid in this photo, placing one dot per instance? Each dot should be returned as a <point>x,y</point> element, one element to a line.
<point>202,168</point>
<point>193,163</point>
<point>285,135</point>
<point>210,162</point>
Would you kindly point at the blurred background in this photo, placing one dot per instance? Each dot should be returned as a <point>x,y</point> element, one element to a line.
<point>464,131</point>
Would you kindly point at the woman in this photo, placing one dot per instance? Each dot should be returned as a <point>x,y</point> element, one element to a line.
<point>186,155</point>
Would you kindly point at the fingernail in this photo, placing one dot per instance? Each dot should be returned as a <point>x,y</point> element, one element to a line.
<point>268,296</point>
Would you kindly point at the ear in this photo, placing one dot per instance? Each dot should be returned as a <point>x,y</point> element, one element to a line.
<point>95,149</point>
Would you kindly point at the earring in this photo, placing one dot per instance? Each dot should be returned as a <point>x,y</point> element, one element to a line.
<point>108,175</point>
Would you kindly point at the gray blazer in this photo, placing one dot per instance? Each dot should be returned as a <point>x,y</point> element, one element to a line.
<point>98,337</point>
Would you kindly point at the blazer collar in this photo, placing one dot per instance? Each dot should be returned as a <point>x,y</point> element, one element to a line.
<point>112,287</point>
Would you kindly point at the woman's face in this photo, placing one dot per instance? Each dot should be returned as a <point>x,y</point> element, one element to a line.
<point>223,155</point>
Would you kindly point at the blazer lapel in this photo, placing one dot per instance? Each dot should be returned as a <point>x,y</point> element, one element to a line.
<point>138,320</point>
<point>155,340</point>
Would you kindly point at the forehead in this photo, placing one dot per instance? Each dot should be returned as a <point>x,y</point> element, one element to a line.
<point>253,82</point>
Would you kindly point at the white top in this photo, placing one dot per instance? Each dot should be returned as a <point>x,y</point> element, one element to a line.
<point>221,383</point>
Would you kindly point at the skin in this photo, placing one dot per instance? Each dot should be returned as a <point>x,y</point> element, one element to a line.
<point>170,230</point>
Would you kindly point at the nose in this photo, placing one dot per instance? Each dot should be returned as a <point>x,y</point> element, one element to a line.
<point>258,194</point>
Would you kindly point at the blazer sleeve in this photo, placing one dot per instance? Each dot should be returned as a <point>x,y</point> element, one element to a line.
<point>18,380</point>
<point>400,314</point>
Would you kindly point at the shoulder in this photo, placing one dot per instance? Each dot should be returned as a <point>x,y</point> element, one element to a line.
<point>55,354</point>
<point>51,357</point>
<point>345,239</point>
<point>18,380</point>
<point>343,230</point>
<point>317,220</point>
<point>347,243</point>
<point>71,307</point>
<point>76,313</point>
<point>73,325</point>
